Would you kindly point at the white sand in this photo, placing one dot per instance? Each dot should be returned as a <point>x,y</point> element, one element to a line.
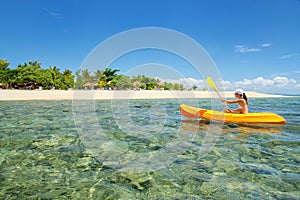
<point>106,94</point>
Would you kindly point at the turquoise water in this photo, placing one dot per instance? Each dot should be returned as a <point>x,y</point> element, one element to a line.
<point>144,149</point>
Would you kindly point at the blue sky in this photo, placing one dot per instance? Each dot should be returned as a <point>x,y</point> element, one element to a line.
<point>254,43</point>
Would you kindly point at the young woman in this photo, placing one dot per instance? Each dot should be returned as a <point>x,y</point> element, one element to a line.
<point>242,101</point>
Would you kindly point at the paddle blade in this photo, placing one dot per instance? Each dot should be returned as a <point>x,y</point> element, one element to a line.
<point>211,83</point>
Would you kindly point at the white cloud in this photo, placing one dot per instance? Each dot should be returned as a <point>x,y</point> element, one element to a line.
<point>279,84</point>
<point>53,14</point>
<point>254,84</point>
<point>266,45</point>
<point>188,82</point>
<point>288,56</point>
<point>245,49</point>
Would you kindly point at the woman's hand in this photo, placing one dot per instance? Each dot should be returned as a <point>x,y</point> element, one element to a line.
<point>229,110</point>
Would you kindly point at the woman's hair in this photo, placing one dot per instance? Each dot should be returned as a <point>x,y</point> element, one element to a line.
<point>245,97</point>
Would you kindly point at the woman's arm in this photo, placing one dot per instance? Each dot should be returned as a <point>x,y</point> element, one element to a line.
<point>230,101</point>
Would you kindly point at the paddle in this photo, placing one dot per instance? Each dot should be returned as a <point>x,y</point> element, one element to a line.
<point>211,83</point>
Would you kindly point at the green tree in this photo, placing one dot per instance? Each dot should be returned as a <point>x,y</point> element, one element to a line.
<point>123,82</point>
<point>86,76</point>
<point>79,80</point>
<point>26,74</point>
<point>97,75</point>
<point>178,86</point>
<point>56,77</point>
<point>110,74</point>
<point>44,78</point>
<point>102,82</point>
<point>168,86</point>
<point>68,79</point>
<point>4,64</point>
<point>4,73</point>
<point>143,86</point>
<point>194,87</point>
<point>147,83</point>
<point>31,74</point>
<point>109,78</point>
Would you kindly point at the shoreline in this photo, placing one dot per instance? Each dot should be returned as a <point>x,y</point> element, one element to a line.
<point>23,95</point>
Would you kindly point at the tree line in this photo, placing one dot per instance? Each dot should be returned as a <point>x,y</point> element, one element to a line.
<point>31,76</point>
<point>109,79</point>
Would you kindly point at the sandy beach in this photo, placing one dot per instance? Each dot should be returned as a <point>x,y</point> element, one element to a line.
<point>8,95</point>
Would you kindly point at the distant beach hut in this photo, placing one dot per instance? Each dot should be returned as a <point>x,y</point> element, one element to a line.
<point>2,85</point>
<point>89,85</point>
<point>136,85</point>
<point>160,85</point>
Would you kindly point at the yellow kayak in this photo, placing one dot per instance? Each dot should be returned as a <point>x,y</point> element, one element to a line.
<point>261,117</point>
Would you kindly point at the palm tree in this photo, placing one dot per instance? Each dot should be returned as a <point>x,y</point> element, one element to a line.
<point>35,64</point>
<point>54,71</point>
<point>97,75</point>
<point>194,87</point>
<point>122,82</point>
<point>102,82</point>
<point>3,64</point>
<point>79,80</point>
<point>109,78</point>
<point>68,79</point>
<point>86,76</point>
<point>110,74</point>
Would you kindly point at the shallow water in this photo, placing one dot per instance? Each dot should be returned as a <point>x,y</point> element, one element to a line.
<point>144,149</point>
